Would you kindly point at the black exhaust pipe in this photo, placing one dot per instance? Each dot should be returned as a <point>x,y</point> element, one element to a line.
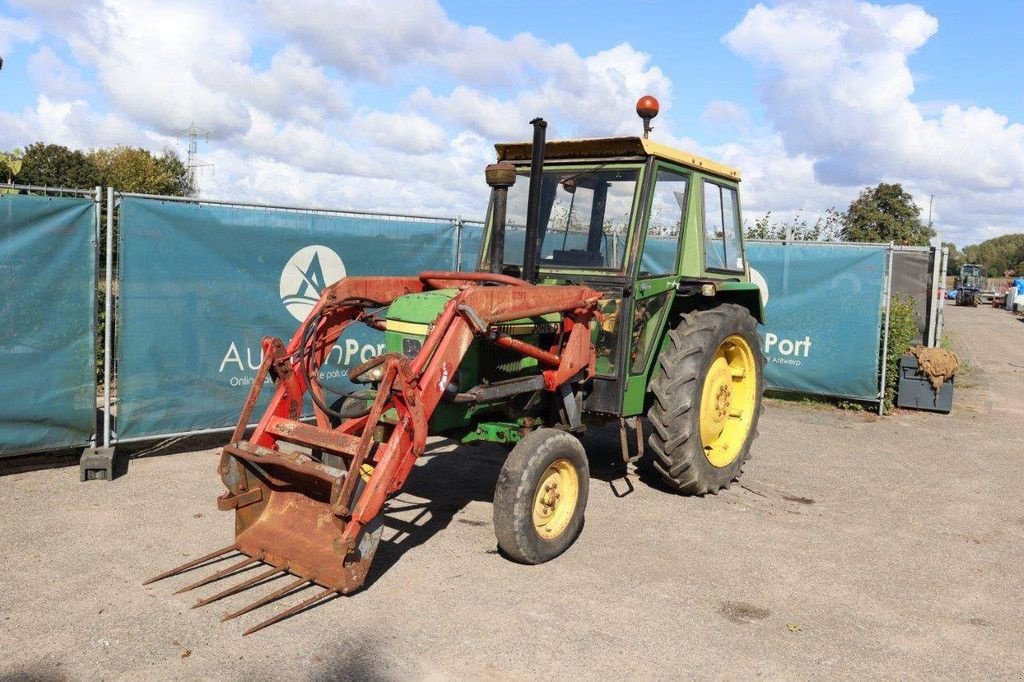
<point>532,248</point>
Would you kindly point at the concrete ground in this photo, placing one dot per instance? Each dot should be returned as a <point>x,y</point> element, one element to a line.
<point>853,546</point>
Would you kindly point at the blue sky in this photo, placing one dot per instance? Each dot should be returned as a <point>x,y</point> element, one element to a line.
<point>395,106</point>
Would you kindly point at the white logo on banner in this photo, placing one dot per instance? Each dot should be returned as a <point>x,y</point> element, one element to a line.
<point>305,275</point>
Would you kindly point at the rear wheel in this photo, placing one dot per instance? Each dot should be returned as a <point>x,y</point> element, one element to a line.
<point>707,399</point>
<point>540,496</point>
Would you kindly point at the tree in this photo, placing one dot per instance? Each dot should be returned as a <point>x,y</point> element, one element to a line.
<point>826,228</point>
<point>131,169</point>
<point>886,213</point>
<point>10,165</point>
<point>997,254</point>
<point>955,259</point>
<point>54,165</point>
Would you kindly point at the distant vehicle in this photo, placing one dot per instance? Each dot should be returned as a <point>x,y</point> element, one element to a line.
<point>970,284</point>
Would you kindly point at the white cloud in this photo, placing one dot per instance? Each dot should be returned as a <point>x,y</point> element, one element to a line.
<point>73,123</point>
<point>596,101</point>
<point>837,87</point>
<point>378,42</point>
<point>727,114</point>
<point>294,85</point>
<point>14,31</point>
<point>54,76</point>
<point>409,132</point>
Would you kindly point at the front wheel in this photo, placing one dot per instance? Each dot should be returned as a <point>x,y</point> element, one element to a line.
<point>540,496</point>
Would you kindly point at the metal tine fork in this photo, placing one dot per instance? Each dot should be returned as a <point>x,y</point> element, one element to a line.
<point>222,573</point>
<point>292,611</point>
<point>245,584</point>
<point>273,596</point>
<point>191,564</point>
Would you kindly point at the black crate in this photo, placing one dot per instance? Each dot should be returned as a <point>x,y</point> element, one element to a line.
<point>916,392</point>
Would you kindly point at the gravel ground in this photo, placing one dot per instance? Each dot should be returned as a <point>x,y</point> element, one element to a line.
<point>855,546</point>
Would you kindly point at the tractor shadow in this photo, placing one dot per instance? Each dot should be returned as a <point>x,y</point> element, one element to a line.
<point>443,483</point>
<point>604,451</point>
<point>449,477</point>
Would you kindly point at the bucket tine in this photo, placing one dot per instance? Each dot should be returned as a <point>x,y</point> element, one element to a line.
<point>221,573</point>
<point>292,611</point>
<point>191,564</point>
<point>266,600</point>
<point>238,588</point>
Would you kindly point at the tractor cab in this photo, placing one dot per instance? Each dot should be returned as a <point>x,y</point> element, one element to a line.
<point>654,229</point>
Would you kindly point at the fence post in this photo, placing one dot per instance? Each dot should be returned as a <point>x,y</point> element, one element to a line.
<point>97,215</point>
<point>457,266</point>
<point>108,322</point>
<point>942,295</point>
<point>933,289</point>
<point>885,332</point>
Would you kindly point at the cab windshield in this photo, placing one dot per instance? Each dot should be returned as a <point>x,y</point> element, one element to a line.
<point>584,217</point>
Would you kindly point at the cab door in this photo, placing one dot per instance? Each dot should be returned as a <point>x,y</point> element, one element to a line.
<point>656,275</point>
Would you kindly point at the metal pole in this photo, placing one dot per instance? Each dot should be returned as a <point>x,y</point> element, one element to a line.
<point>933,306</point>
<point>457,266</point>
<point>98,219</point>
<point>98,206</point>
<point>885,332</point>
<point>108,322</point>
<point>942,295</point>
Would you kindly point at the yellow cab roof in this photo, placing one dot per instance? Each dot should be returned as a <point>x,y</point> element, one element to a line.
<point>610,147</point>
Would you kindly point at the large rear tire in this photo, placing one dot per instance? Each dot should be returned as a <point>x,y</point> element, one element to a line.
<point>540,496</point>
<point>707,391</point>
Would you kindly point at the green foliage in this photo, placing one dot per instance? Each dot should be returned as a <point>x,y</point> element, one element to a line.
<point>902,330</point>
<point>54,165</point>
<point>10,165</point>
<point>137,170</point>
<point>956,258</point>
<point>128,169</point>
<point>997,255</point>
<point>886,213</point>
<point>826,228</point>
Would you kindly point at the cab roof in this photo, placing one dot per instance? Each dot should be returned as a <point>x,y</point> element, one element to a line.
<point>605,147</point>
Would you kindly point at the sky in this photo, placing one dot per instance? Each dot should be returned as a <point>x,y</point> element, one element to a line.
<point>395,105</point>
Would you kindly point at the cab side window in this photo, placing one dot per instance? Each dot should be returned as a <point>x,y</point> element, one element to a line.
<point>665,224</point>
<point>722,245</point>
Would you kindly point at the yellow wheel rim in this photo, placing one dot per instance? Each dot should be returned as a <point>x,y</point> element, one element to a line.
<point>555,499</point>
<point>728,401</point>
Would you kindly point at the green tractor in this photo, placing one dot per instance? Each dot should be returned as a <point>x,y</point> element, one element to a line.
<point>970,284</point>
<point>611,285</point>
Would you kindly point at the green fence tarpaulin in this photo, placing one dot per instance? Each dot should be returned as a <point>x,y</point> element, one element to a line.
<point>823,316</point>
<point>47,322</point>
<point>202,284</point>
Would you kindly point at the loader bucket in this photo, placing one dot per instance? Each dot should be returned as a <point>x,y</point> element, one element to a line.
<point>285,527</point>
<point>293,528</point>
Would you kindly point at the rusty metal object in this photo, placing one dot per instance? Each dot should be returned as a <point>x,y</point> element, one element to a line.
<point>297,515</point>
<point>638,431</point>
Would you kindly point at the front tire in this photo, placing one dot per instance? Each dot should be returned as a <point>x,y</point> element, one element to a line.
<point>707,391</point>
<point>540,496</point>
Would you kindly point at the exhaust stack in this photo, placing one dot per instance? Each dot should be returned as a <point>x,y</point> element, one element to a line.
<point>531,248</point>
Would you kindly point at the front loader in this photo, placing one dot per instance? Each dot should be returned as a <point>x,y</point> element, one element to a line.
<point>611,285</point>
